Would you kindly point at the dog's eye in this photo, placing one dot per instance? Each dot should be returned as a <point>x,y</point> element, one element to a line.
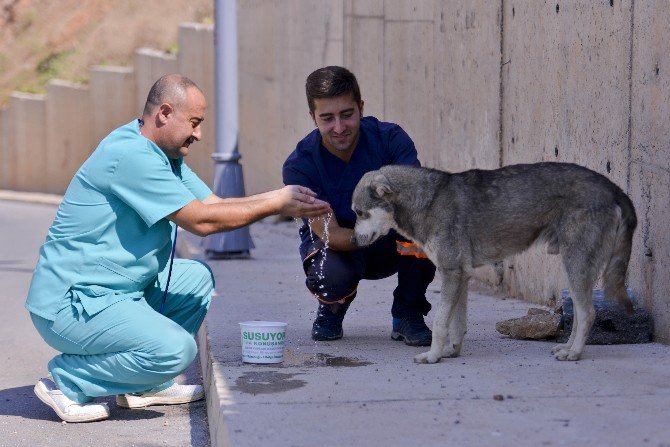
<point>358,213</point>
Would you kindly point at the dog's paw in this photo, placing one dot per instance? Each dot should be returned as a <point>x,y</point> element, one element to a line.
<point>561,347</point>
<point>451,351</point>
<point>427,357</point>
<point>567,354</point>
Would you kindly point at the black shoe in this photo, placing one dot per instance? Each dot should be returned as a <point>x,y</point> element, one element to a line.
<point>412,330</point>
<point>328,323</point>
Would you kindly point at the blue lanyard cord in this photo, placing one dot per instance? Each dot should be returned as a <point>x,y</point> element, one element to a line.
<point>167,285</point>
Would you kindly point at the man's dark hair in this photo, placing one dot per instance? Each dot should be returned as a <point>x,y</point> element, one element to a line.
<point>171,89</point>
<point>328,82</point>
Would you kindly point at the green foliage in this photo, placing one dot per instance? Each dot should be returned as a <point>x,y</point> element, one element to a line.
<point>173,48</point>
<point>52,66</point>
<point>4,63</point>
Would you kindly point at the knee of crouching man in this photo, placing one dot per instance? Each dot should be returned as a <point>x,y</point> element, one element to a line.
<point>189,350</point>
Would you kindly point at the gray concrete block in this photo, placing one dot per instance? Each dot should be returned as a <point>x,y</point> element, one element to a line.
<point>196,60</point>
<point>26,143</point>
<point>69,132</point>
<point>150,64</point>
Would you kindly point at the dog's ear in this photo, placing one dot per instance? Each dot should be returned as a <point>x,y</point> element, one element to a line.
<point>380,186</point>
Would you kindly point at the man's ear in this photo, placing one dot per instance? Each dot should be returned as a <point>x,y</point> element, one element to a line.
<point>164,111</point>
<point>380,186</point>
<point>311,115</point>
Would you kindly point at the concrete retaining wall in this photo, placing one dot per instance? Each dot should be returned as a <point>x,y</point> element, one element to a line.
<point>196,60</point>
<point>68,132</point>
<point>484,84</point>
<point>24,147</point>
<point>476,83</point>
<point>44,139</point>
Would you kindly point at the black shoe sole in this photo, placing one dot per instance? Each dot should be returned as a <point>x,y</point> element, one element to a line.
<point>397,336</point>
<point>322,338</point>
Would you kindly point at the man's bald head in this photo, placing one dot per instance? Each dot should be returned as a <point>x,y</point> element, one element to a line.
<point>169,89</point>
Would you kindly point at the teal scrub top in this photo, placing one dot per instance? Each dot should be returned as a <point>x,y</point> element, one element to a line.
<point>110,239</point>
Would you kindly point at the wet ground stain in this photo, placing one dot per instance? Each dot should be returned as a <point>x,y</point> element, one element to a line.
<point>329,360</point>
<point>267,382</point>
<point>316,360</point>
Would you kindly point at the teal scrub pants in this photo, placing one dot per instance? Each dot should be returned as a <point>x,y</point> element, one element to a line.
<point>129,347</point>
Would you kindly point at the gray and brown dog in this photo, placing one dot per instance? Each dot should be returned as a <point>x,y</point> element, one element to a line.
<point>468,219</point>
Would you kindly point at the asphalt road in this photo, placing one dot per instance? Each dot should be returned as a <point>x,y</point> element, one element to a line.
<point>24,420</point>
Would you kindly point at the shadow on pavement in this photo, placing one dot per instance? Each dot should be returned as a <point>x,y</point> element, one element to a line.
<point>21,401</point>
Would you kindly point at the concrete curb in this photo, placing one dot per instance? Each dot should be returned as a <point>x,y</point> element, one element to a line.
<point>30,197</point>
<point>215,391</point>
<point>212,378</point>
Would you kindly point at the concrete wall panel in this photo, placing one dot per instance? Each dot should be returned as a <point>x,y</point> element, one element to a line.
<point>368,8</point>
<point>113,98</point>
<point>364,56</point>
<point>414,11</point>
<point>68,132</point>
<point>650,152</point>
<point>25,124</point>
<point>5,166</point>
<point>150,65</point>
<point>467,85</point>
<point>259,65</point>
<point>565,98</point>
<point>408,82</point>
<point>196,60</point>
<point>9,149</point>
<point>272,81</point>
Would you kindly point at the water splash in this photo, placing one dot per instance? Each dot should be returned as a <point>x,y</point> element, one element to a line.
<point>326,241</point>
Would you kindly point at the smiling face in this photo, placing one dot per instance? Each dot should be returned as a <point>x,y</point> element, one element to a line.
<point>181,123</point>
<point>338,120</point>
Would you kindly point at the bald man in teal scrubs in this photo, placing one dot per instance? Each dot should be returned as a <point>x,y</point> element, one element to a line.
<point>98,291</point>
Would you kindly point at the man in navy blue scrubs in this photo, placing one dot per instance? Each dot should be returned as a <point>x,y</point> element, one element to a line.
<point>330,161</point>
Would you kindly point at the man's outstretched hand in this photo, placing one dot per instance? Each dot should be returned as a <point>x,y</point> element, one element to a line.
<point>299,201</point>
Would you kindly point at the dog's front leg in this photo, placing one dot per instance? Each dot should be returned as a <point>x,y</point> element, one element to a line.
<point>458,324</point>
<point>453,291</point>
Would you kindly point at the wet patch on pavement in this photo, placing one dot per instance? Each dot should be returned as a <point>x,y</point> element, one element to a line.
<point>318,360</point>
<point>266,382</point>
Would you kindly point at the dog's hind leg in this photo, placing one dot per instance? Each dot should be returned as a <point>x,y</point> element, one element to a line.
<point>447,333</point>
<point>583,260</point>
<point>584,315</point>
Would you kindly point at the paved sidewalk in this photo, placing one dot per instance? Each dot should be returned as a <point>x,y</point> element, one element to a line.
<point>366,390</point>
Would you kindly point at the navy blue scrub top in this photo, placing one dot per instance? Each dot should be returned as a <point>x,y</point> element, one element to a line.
<point>334,180</point>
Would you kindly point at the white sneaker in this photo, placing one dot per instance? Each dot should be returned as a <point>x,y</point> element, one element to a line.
<point>67,409</point>
<point>175,394</point>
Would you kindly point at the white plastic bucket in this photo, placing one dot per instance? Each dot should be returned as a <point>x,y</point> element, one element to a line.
<point>263,341</point>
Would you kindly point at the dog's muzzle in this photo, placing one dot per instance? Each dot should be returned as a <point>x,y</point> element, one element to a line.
<point>363,240</point>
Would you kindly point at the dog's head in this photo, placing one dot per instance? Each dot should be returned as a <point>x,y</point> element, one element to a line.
<point>372,204</point>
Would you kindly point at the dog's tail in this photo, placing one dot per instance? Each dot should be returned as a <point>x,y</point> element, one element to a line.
<point>617,266</point>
